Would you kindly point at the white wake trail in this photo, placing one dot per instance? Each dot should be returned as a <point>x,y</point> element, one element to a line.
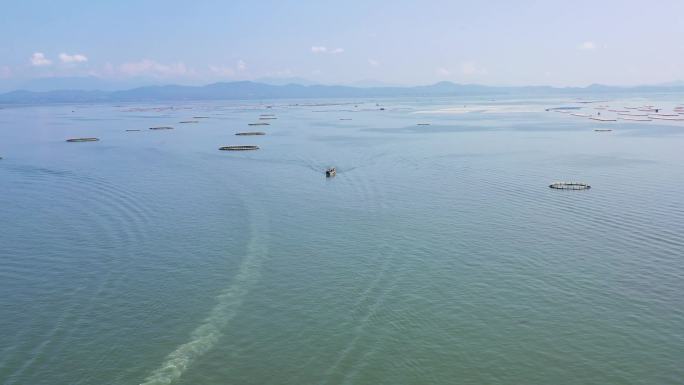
<point>228,302</point>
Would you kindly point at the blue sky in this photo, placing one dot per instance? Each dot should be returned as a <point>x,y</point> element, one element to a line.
<point>400,42</point>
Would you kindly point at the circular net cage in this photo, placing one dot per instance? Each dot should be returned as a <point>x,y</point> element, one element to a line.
<point>569,186</point>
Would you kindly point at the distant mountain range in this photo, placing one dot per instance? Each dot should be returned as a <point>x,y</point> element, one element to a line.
<point>248,90</point>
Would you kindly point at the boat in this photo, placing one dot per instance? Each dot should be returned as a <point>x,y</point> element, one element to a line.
<point>250,133</point>
<point>238,148</point>
<point>74,140</point>
<point>331,172</point>
<point>423,124</point>
<point>267,118</point>
<point>129,130</point>
<point>259,124</point>
<point>189,121</point>
<point>161,128</point>
<point>603,129</point>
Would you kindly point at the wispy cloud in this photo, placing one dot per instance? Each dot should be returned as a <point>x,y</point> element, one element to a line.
<point>228,71</point>
<point>373,63</point>
<point>443,71</point>
<point>75,58</point>
<point>38,59</point>
<point>147,67</point>
<point>222,71</point>
<point>471,68</point>
<point>324,49</point>
<point>5,72</point>
<point>587,46</point>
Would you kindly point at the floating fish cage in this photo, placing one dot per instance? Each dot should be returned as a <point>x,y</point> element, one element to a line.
<point>74,140</point>
<point>569,186</point>
<point>250,133</point>
<point>238,148</point>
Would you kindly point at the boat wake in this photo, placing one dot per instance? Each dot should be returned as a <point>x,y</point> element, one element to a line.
<point>228,302</point>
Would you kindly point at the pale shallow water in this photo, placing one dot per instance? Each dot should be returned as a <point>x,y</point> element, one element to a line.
<point>438,255</point>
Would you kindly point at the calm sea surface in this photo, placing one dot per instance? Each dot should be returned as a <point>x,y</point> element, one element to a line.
<point>438,255</point>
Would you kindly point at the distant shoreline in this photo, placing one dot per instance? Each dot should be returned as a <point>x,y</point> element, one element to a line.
<point>250,91</point>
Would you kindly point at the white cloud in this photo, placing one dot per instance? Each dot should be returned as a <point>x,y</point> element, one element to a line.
<point>241,65</point>
<point>373,63</point>
<point>38,59</point>
<point>149,67</point>
<point>5,72</point>
<point>443,71</point>
<point>470,68</point>
<point>324,49</point>
<point>75,58</point>
<point>587,46</point>
<point>222,71</point>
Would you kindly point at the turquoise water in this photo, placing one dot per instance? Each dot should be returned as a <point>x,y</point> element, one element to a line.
<point>438,255</point>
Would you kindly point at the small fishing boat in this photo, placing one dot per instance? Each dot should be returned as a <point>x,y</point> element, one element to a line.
<point>76,140</point>
<point>603,129</point>
<point>331,172</point>
<point>161,128</point>
<point>423,124</point>
<point>238,148</point>
<point>132,130</point>
<point>250,133</point>
<point>259,124</point>
<point>189,121</point>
